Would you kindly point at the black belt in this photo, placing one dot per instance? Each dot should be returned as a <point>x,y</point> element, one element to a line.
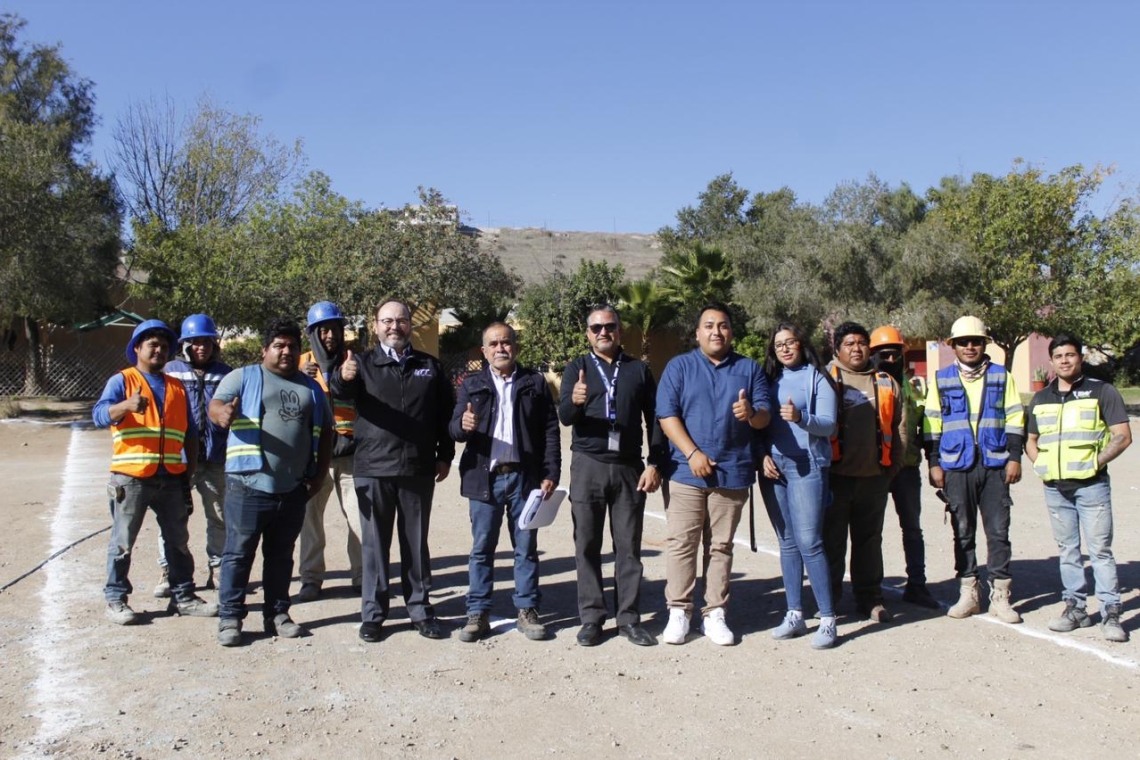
<point>505,468</point>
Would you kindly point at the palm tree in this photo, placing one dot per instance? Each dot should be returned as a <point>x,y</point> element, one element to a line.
<point>701,275</point>
<point>647,305</point>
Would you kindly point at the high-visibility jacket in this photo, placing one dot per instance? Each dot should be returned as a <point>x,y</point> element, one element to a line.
<point>885,399</point>
<point>344,410</point>
<point>243,448</point>
<point>956,448</point>
<point>1070,436</point>
<point>143,441</point>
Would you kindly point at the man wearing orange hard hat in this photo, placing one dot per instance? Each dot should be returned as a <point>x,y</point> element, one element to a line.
<point>887,354</point>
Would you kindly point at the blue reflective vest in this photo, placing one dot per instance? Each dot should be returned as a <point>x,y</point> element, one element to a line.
<point>956,448</point>
<point>243,447</point>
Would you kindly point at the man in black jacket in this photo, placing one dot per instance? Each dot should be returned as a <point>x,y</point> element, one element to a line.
<point>403,449</point>
<point>606,397</point>
<point>506,416</point>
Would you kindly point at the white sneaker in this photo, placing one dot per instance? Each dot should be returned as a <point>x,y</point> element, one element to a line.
<point>678,627</point>
<point>716,629</point>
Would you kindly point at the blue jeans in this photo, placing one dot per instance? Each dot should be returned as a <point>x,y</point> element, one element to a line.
<point>251,516</point>
<point>1088,508</point>
<point>133,496</point>
<point>507,496</point>
<point>796,503</point>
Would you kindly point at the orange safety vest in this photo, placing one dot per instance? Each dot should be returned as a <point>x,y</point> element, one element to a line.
<point>884,401</point>
<point>344,411</point>
<point>143,441</point>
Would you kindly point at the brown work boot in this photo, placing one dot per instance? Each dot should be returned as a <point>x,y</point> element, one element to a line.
<point>967,603</point>
<point>478,625</point>
<point>999,601</point>
<point>529,625</point>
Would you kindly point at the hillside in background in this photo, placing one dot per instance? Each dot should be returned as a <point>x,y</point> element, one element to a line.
<point>535,253</point>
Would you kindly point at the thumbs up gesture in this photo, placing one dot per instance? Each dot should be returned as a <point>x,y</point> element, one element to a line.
<point>469,420</point>
<point>223,412</point>
<point>579,395</point>
<point>137,402</point>
<point>742,409</point>
<point>789,412</point>
<point>349,368</point>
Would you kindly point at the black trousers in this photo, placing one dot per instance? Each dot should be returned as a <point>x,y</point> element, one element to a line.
<point>857,508</point>
<point>595,489</point>
<point>983,490</point>
<point>406,501</point>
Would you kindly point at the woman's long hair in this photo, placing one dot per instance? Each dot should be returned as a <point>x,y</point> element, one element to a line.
<point>772,366</point>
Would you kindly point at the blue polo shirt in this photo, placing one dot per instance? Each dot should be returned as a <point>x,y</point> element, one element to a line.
<point>702,394</point>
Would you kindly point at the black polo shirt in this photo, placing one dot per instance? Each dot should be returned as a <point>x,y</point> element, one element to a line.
<point>1112,412</point>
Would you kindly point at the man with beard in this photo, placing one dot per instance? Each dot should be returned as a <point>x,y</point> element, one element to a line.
<point>867,452</point>
<point>403,401</point>
<point>155,450</point>
<point>200,371</point>
<point>607,395</point>
<point>506,416</point>
<point>975,432</point>
<point>887,354</point>
<point>277,455</point>
<point>326,336</point>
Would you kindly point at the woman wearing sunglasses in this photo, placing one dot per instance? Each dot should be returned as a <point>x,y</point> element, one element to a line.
<point>793,479</point>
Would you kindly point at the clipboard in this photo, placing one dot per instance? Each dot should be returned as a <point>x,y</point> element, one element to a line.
<point>539,512</point>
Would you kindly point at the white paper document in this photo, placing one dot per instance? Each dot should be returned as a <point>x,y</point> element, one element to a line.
<point>539,512</point>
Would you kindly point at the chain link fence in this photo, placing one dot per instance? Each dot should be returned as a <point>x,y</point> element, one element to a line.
<point>78,372</point>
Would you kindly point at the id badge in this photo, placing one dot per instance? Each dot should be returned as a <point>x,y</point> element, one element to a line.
<point>614,441</point>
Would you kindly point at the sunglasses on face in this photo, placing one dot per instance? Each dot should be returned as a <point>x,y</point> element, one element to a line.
<point>890,355</point>
<point>610,327</point>
<point>964,342</point>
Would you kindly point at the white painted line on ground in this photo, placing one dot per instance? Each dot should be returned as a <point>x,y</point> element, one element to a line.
<point>1023,629</point>
<point>61,691</point>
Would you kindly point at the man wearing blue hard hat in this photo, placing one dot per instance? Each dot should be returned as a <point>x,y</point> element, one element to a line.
<point>200,369</point>
<point>155,452</point>
<point>326,336</point>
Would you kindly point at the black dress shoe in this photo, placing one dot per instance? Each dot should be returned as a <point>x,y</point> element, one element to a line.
<point>370,632</point>
<point>590,635</point>
<point>429,628</point>
<point>637,635</point>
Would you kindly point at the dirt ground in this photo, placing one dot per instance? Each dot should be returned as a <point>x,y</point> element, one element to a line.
<point>74,685</point>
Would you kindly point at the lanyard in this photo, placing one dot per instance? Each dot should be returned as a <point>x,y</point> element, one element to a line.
<point>610,386</point>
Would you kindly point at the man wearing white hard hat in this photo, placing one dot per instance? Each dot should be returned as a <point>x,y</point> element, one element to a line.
<point>155,451</point>
<point>975,432</point>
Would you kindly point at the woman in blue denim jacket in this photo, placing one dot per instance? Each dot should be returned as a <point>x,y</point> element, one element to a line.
<point>793,479</point>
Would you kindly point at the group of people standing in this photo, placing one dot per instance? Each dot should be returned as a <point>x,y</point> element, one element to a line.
<point>268,446</point>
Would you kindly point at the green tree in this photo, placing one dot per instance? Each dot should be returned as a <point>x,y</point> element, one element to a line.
<point>190,187</point>
<point>1023,233</point>
<point>59,219</point>
<point>553,313</point>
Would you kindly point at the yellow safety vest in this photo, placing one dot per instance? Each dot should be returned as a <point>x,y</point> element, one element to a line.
<point>1070,435</point>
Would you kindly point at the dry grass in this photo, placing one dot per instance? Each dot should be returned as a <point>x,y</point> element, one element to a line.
<point>534,254</point>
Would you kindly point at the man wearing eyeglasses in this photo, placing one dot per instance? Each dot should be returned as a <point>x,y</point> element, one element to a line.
<point>605,398</point>
<point>403,404</point>
<point>975,432</point>
<point>867,453</point>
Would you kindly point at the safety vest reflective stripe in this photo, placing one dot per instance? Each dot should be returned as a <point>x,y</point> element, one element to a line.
<point>141,441</point>
<point>958,442</point>
<point>344,411</point>
<point>885,401</point>
<point>1070,436</point>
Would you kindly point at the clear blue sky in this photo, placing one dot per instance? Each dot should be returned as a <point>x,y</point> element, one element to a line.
<point>612,115</point>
